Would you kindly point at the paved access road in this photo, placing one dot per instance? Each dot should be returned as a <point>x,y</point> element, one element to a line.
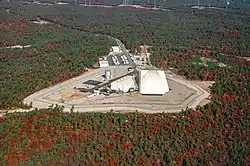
<point>44,98</point>
<point>41,99</point>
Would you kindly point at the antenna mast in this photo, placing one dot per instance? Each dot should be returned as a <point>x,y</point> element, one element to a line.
<point>227,3</point>
<point>125,2</point>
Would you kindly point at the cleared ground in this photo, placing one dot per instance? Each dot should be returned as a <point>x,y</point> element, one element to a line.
<point>182,94</point>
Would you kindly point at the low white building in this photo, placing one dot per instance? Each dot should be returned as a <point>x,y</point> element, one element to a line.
<point>153,82</point>
<point>116,49</point>
<point>103,62</point>
<point>124,84</point>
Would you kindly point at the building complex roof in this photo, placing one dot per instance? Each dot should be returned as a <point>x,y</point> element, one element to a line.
<point>124,84</point>
<point>153,82</point>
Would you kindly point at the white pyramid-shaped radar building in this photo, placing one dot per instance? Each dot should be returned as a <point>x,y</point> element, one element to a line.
<point>153,82</point>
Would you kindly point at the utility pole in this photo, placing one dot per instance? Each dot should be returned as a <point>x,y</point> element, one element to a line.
<point>227,3</point>
<point>125,2</point>
<point>155,4</point>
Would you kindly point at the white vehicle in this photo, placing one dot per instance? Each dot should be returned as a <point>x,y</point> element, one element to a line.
<point>130,69</point>
<point>90,96</point>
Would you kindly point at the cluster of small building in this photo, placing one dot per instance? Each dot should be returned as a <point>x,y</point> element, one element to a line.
<point>144,81</point>
<point>112,58</point>
<point>117,57</point>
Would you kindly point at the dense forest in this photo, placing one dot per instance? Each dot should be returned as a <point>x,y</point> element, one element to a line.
<point>216,134</point>
<point>178,38</point>
<point>157,3</point>
<point>208,44</point>
<point>55,54</point>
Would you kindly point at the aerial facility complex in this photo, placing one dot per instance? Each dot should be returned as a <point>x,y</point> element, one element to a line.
<point>145,80</point>
<point>123,81</point>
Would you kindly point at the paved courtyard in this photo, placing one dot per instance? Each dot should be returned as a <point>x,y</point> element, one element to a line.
<point>182,94</point>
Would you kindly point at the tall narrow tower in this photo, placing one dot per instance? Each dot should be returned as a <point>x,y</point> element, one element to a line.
<point>125,2</point>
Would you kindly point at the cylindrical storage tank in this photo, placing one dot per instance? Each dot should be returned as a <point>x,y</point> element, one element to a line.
<point>108,74</point>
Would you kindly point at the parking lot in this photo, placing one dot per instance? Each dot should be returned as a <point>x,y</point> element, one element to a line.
<point>119,59</point>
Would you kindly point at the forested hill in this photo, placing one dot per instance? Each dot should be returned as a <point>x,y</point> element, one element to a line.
<point>210,44</point>
<point>160,3</point>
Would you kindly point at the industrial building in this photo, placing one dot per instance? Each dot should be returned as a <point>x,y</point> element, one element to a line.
<point>124,84</point>
<point>147,81</point>
<point>150,82</point>
<point>153,82</point>
<point>103,62</point>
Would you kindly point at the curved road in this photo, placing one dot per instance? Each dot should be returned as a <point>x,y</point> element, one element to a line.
<point>39,102</point>
<point>41,98</point>
<point>37,96</point>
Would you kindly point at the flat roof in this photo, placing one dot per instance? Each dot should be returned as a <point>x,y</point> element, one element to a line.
<point>83,89</point>
<point>92,82</point>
